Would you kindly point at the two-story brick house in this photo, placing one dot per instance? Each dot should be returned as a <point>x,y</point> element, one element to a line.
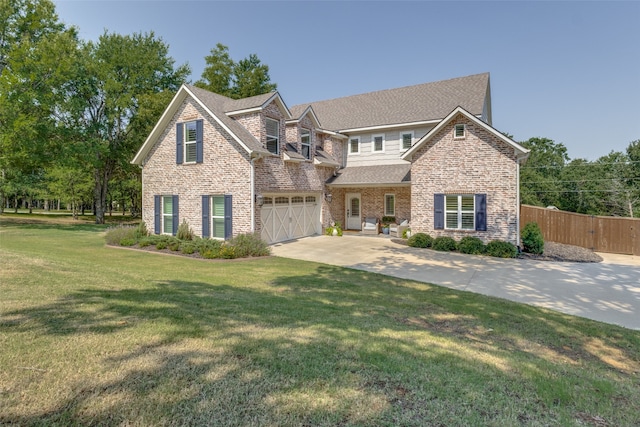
<point>425,153</point>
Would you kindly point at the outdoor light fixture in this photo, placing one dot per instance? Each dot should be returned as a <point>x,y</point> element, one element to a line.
<point>259,199</point>
<point>327,197</point>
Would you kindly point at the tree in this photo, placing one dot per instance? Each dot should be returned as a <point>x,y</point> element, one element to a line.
<point>248,77</point>
<point>540,176</point>
<point>113,77</point>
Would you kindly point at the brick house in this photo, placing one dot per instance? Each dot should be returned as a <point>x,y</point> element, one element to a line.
<point>425,153</point>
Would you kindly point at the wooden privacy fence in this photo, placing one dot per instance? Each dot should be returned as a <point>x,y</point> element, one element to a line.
<point>599,233</point>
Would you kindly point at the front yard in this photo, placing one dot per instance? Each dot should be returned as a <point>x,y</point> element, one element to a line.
<point>94,335</point>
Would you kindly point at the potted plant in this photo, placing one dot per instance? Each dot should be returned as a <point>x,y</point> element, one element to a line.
<point>334,229</point>
<point>386,220</point>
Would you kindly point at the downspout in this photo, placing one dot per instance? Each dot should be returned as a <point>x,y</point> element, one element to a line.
<point>518,203</point>
<point>253,194</point>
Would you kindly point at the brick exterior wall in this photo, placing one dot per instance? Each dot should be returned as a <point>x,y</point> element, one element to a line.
<point>479,163</point>
<point>225,170</point>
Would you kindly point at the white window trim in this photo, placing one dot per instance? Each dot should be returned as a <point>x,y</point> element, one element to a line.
<point>185,135</point>
<point>373,143</point>
<point>386,212</point>
<point>354,153</point>
<point>464,131</point>
<point>459,211</point>
<point>164,215</point>
<point>408,132</point>
<point>302,143</point>
<point>277,137</point>
<point>213,216</point>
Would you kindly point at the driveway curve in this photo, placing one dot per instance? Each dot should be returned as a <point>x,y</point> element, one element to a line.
<point>608,291</point>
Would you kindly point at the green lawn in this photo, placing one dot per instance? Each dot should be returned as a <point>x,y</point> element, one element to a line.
<point>95,335</point>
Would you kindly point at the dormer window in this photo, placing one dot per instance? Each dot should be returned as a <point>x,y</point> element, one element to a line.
<point>273,136</point>
<point>459,131</point>
<point>305,138</point>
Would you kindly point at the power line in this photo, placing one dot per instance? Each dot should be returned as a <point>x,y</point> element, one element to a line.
<point>581,180</point>
<point>630,162</point>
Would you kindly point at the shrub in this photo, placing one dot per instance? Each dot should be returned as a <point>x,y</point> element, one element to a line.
<point>116,234</point>
<point>227,251</point>
<point>187,248</point>
<point>174,245</point>
<point>127,241</point>
<point>211,253</point>
<point>141,230</point>
<point>248,245</point>
<point>532,240</point>
<point>501,249</point>
<point>471,245</point>
<point>184,231</point>
<point>444,243</point>
<point>208,245</point>
<point>334,226</point>
<point>161,245</point>
<point>420,240</point>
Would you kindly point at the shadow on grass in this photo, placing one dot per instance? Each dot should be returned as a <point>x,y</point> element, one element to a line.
<point>333,347</point>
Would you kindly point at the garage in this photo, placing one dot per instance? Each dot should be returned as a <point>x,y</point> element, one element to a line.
<point>290,216</point>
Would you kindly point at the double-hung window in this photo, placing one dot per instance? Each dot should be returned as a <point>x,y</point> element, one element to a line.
<point>406,140</point>
<point>165,214</point>
<point>459,212</point>
<point>354,145</point>
<point>378,143</point>
<point>190,142</point>
<point>273,136</point>
<point>305,138</point>
<point>389,205</point>
<point>216,216</point>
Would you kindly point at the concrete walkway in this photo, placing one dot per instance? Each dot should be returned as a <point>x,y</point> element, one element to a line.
<point>607,291</point>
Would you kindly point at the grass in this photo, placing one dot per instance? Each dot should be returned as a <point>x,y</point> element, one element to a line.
<point>94,335</point>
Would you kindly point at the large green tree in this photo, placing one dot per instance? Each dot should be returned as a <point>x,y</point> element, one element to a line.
<point>540,176</point>
<point>242,79</point>
<point>114,77</point>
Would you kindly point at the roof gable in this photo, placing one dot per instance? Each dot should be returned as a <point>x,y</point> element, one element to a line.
<point>234,107</point>
<point>307,112</point>
<point>410,104</point>
<point>521,152</point>
<point>212,104</point>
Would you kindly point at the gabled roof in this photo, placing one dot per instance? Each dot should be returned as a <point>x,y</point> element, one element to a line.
<point>235,107</point>
<point>521,152</point>
<point>410,104</point>
<point>307,111</point>
<point>213,104</point>
<point>373,176</point>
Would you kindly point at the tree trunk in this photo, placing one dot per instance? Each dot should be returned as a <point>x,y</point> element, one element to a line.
<point>100,192</point>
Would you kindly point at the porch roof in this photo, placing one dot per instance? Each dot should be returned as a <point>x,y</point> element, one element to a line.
<point>372,176</point>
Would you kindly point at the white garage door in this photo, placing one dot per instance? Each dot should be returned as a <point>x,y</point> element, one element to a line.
<point>290,216</point>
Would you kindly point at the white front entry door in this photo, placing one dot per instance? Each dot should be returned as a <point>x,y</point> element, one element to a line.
<point>352,204</point>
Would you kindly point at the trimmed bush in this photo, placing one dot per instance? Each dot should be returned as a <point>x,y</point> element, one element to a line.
<point>532,240</point>
<point>208,245</point>
<point>471,245</point>
<point>444,243</point>
<point>184,231</point>
<point>227,251</point>
<point>248,245</point>
<point>501,249</point>
<point>420,240</point>
<point>187,248</point>
<point>115,235</point>
<point>174,245</point>
<point>127,241</point>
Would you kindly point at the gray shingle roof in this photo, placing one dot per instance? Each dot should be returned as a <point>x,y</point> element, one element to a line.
<point>427,101</point>
<point>216,103</point>
<point>377,175</point>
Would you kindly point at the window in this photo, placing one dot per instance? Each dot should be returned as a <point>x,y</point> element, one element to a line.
<point>459,131</point>
<point>189,146</point>
<point>190,142</point>
<point>459,212</point>
<point>406,139</point>
<point>389,205</point>
<point>167,215</point>
<point>378,143</point>
<point>217,217</point>
<point>354,145</point>
<point>305,138</point>
<point>273,136</point>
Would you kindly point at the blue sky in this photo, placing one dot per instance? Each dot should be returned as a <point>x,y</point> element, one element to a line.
<point>568,71</point>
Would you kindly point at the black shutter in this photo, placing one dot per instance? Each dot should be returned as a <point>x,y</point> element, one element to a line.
<point>481,212</point>
<point>206,218</point>
<point>157,206</point>
<point>227,216</point>
<point>199,138</point>
<point>175,214</point>
<point>179,143</point>
<point>438,211</point>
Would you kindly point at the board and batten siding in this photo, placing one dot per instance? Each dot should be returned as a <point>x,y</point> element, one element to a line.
<point>392,147</point>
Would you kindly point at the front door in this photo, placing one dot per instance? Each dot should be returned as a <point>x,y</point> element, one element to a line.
<point>354,219</point>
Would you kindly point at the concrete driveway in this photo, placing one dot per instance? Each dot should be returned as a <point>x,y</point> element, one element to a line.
<point>607,291</point>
